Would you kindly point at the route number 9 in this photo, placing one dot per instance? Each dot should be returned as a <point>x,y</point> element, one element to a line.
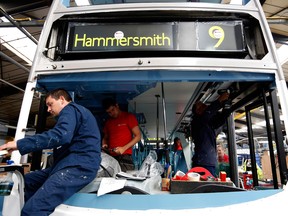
<point>216,32</point>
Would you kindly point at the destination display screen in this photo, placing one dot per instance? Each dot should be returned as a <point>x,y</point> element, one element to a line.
<point>182,36</point>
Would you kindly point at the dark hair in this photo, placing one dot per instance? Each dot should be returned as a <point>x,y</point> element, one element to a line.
<point>176,139</point>
<point>108,102</point>
<point>56,93</point>
<point>194,107</point>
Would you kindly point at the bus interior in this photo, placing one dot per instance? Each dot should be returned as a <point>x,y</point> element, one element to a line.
<point>164,107</point>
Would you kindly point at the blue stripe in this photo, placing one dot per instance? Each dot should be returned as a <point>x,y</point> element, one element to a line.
<point>156,75</point>
<point>164,201</point>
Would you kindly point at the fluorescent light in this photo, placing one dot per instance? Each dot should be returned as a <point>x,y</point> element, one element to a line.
<point>263,123</point>
<point>283,54</point>
<point>82,2</point>
<point>11,127</point>
<point>241,130</point>
<point>236,2</point>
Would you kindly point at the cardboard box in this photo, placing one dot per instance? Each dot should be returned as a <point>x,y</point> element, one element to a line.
<point>179,187</point>
<point>266,166</point>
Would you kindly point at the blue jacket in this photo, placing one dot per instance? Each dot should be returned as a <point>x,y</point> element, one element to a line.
<point>75,139</point>
<point>203,131</point>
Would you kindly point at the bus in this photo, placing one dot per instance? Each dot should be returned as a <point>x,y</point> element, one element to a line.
<point>157,58</point>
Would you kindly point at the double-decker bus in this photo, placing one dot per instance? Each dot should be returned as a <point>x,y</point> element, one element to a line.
<point>157,58</point>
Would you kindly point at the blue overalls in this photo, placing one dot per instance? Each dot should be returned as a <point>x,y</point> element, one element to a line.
<point>75,140</point>
<point>203,130</point>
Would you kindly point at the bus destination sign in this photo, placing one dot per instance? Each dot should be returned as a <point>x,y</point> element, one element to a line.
<point>182,36</point>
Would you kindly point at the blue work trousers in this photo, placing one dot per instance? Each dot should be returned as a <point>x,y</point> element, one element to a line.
<point>45,191</point>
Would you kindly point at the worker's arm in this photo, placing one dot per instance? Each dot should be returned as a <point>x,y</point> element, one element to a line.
<point>136,138</point>
<point>105,141</point>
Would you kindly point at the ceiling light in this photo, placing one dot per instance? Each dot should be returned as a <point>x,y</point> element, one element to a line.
<point>11,127</point>
<point>283,54</point>
<point>82,2</point>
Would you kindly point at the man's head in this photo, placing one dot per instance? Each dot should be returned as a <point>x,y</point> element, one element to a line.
<point>111,107</point>
<point>56,100</point>
<point>220,151</point>
<point>177,140</point>
<point>199,108</point>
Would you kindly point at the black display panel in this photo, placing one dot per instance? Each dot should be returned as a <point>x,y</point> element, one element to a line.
<point>216,36</point>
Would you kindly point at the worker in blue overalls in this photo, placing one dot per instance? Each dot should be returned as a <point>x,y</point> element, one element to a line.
<point>77,155</point>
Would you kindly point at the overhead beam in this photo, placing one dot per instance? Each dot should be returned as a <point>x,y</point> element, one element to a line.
<point>3,55</point>
<point>20,6</point>
<point>24,31</point>
<point>11,89</point>
<point>10,84</point>
<point>30,23</point>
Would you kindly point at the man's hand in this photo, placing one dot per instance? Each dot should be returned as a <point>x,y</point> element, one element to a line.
<point>105,146</point>
<point>223,97</point>
<point>119,150</point>
<point>9,146</point>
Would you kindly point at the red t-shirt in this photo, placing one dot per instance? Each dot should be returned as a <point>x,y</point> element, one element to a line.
<point>225,159</point>
<point>119,130</point>
<point>177,147</point>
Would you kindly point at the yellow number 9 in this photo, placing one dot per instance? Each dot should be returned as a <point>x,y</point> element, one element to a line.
<point>216,32</point>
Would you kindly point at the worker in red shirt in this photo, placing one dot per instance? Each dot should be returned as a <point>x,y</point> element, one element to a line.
<point>177,144</point>
<point>121,133</point>
<point>222,157</point>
